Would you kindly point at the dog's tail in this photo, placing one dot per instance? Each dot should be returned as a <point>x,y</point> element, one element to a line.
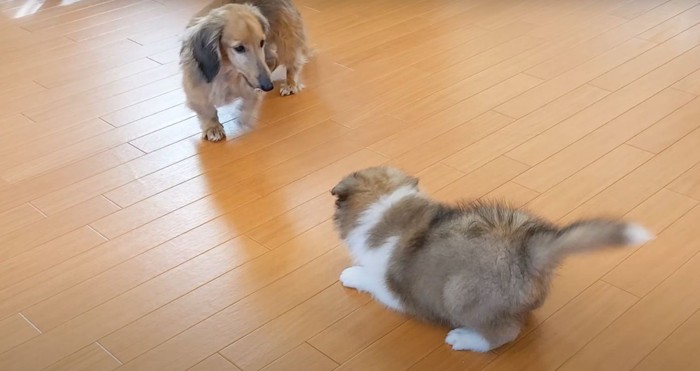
<point>547,251</point>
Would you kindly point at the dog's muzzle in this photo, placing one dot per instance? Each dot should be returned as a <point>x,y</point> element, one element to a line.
<point>265,83</point>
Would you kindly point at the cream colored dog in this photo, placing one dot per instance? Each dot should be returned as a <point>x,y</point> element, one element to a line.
<point>228,52</point>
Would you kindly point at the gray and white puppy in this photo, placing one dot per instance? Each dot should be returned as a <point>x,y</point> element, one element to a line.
<point>478,267</point>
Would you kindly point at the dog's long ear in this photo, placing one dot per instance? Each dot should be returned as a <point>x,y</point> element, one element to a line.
<point>205,48</point>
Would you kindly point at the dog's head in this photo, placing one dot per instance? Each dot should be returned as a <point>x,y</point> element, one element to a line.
<point>357,191</point>
<point>233,35</point>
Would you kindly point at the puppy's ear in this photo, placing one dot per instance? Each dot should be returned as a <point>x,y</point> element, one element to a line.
<point>413,181</point>
<point>346,186</point>
<point>340,191</point>
<point>205,48</point>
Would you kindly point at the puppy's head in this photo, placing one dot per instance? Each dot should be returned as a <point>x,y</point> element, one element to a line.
<point>357,191</point>
<point>233,35</point>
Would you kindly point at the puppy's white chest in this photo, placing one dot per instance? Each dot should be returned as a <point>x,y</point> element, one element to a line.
<point>376,258</point>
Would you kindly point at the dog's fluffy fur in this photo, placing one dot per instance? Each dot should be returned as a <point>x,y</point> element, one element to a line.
<point>479,268</point>
<point>228,51</point>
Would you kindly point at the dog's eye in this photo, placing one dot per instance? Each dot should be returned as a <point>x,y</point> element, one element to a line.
<point>262,43</point>
<point>239,49</point>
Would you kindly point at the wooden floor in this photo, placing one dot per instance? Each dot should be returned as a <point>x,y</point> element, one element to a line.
<point>126,242</point>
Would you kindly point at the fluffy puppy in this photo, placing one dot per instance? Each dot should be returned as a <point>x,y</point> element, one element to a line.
<point>228,51</point>
<point>478,268</point>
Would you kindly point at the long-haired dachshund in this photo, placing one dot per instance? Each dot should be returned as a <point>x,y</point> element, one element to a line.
<point>228,52</point>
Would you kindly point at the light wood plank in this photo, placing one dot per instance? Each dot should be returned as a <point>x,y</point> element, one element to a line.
<point>565,163</point>
<point>290,330</point>
<point>688,183</point>
<point>27,238</point>
<point>444,358</point>
<point>648,178</point>
<point>655,259</point>
<point>211,263</point>
<point>670,129</point>
<point>15,330</point>
<point>598,114</point>
<point>513,194</point>
<point>215,363</point>
<point>228,322</point>
<point>573,191</point>
<point>564,83</point>
<point>640,66</point>
<point>567,331</point>
<point>690,83</point>
<point>170,320</point>
<point>642,328</point>
<point>93,357</point>
<point>19,217</point>
<point>673,26</point>
<point>304,357</point>
<point>480,182</point>
<point>621,32</point>
<point>399,349</point>
<point>448,143</point>
<point>350,335</point>
<point>28,190</point>
<point>677,351</point>
<point>479,153</point>
<point>42,257</point>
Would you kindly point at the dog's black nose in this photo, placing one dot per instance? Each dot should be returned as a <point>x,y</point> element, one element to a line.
<point>265,82</point>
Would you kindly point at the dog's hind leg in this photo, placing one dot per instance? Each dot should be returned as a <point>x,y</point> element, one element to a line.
<point>271,58</point>
<point>293,85</point>
<point>212,130</point>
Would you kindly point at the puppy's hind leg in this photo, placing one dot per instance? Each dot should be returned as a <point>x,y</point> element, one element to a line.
<point>363,280</point>
<point>483,339</point>
<point>212,130</point>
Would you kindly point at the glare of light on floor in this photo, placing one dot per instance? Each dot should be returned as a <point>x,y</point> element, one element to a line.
<point>32,6</point>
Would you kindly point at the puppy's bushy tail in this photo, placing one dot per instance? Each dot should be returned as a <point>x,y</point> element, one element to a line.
<point>547,251</point>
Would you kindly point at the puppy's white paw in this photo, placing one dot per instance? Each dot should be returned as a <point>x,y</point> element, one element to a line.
<point>637,235</point>
<point>353,277</point>
<point>214,133</point>
<point>465,339</point>
<point>286,90</point>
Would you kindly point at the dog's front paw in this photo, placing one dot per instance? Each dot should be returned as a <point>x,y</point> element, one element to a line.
<point>214,133</point>
<point>286,90</point>
<point>465,339</point>
<point>353,277</point>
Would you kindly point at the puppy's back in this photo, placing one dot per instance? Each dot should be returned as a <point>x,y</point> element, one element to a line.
<point>487,259</point>
<point>472,258</point>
